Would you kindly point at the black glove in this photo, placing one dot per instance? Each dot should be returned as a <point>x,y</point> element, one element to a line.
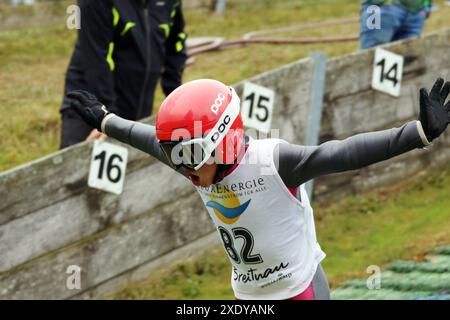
<point>88,107</point>
<point>433,114</point>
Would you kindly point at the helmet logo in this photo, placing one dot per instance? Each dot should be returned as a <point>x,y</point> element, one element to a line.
<point>221,128</point>
<point>217,103</point>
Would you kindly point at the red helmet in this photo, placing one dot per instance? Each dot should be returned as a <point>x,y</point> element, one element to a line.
<point>201,118</point>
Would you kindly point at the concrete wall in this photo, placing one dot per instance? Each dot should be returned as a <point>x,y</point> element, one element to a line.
<point>50,219</point>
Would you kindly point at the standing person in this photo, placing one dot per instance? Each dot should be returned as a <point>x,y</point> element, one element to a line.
<point>399,19</point>
<point>123,49</point>
<point>248,185</point>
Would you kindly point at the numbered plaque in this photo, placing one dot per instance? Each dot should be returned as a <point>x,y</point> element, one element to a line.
<point>387,72</point>
<point>257,107</point>
<point>108,165</point>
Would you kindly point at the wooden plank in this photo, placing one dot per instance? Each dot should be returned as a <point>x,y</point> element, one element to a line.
<point>51,179</point>
<point>111,252</point>
<point>88,212</point>
<point>189,251</point>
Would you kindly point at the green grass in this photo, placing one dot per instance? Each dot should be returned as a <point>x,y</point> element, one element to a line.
<point>33,61</point>
<point>400,222</point>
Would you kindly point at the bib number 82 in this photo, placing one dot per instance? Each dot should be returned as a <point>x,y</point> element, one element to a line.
<point>246,251</point>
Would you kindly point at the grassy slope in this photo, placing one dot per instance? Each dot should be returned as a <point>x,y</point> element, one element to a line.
<point>399,222</point>
<point>33,63</point>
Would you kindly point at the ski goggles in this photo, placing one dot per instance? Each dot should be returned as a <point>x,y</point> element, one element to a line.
<point>194,153</point>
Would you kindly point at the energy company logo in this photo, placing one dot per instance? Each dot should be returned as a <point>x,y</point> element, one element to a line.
<point>226,206</point>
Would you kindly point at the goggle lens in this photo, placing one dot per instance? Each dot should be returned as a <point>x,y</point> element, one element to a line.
<point>189,155</point>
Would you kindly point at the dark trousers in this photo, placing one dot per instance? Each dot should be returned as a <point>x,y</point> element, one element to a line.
<point>397,23</point>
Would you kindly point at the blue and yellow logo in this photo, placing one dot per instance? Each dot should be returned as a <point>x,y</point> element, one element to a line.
<point>227,206</point>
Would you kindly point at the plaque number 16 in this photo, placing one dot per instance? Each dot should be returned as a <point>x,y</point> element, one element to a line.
<point>110,167</point>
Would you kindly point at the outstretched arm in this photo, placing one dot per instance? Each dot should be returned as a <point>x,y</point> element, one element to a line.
<point>298,164</point>
<point>138,135</point>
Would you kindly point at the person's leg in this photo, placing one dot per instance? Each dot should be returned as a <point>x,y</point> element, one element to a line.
<point>411,27</point>
<point>372,35</point>
<point>73,128</point>
<point>320,285</point>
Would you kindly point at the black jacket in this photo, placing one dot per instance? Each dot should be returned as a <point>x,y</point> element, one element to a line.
<point>123,48</point>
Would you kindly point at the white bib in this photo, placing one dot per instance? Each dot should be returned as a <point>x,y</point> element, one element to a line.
<point>268,234</point>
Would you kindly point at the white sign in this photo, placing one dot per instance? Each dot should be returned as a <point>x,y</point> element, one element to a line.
<point>257,107</point>
<point>387,72</point>
<point>108,165</point>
